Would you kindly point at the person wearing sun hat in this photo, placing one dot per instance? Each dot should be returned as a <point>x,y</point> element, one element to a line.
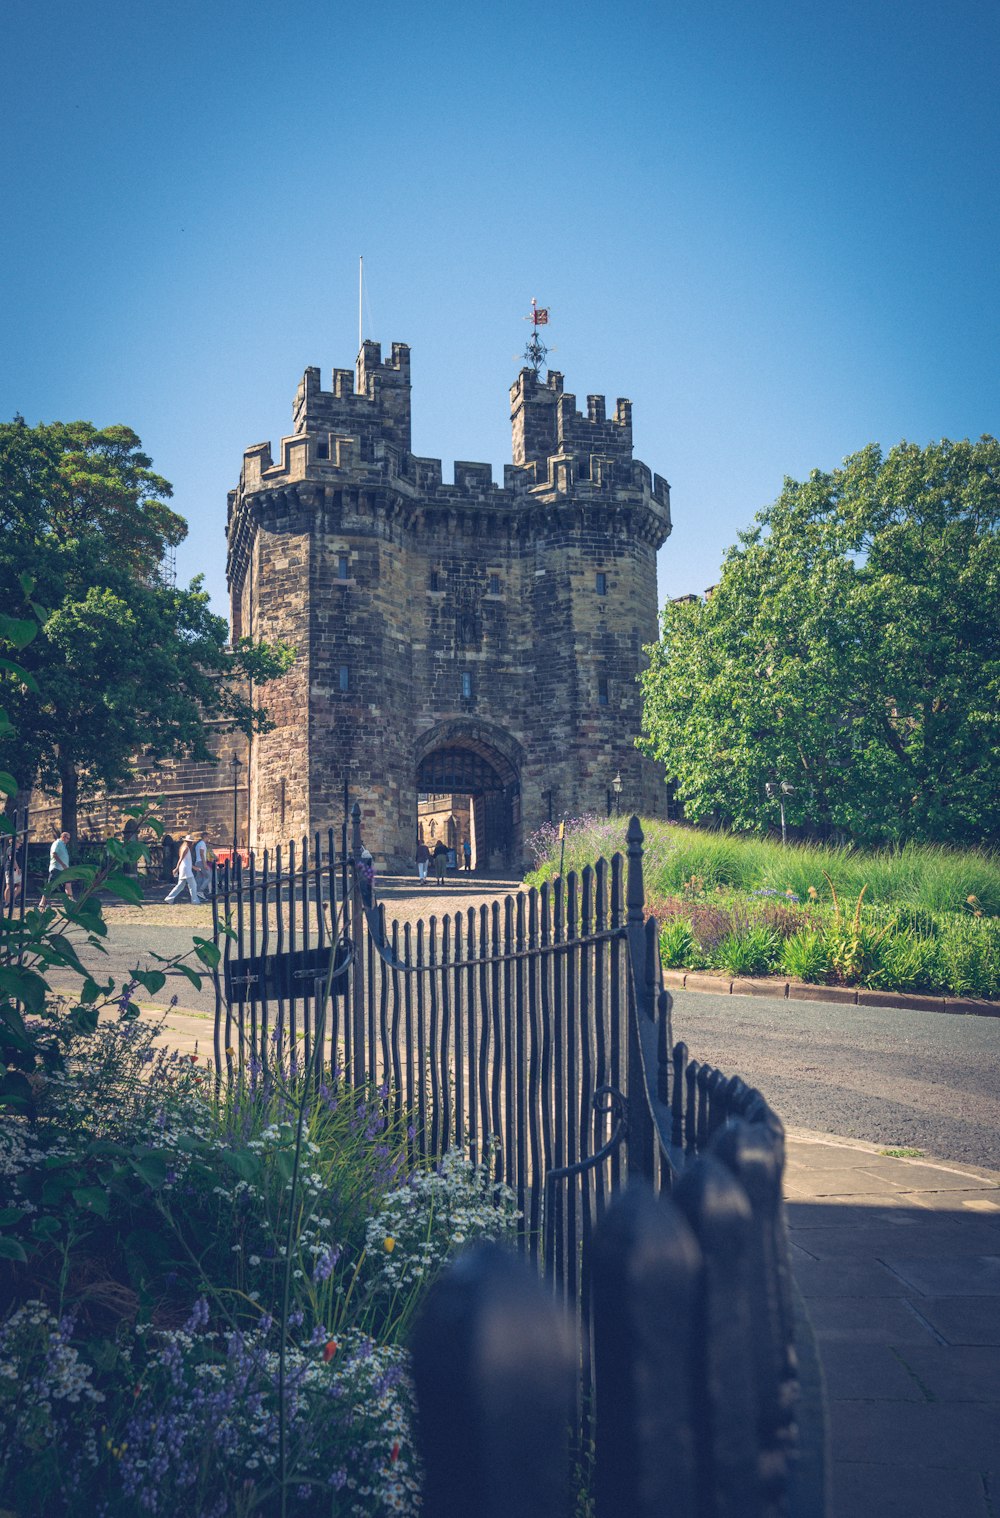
<point>184,870</point>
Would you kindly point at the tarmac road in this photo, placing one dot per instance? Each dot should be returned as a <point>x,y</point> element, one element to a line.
<point>923,1080</point>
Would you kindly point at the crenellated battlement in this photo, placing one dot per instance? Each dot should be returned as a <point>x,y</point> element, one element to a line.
<point>545,422</point>
<point>370,402</point>
<point>356,436</point>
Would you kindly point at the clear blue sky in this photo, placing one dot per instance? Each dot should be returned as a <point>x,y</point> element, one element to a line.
<point>773,226</point>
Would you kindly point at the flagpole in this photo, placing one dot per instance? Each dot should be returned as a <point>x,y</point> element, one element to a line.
<point>361,284</point>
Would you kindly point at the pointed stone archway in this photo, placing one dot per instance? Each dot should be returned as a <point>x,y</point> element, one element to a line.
<point>464,757</point>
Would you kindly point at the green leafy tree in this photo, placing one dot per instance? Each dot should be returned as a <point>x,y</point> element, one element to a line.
<point>851,650</point>
<point>124,660</point>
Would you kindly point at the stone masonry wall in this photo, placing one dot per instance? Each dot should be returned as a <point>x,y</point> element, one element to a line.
<point>185,795</point>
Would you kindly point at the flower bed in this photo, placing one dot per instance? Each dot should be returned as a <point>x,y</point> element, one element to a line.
<point>143,1256</point>
<point>913,919</point>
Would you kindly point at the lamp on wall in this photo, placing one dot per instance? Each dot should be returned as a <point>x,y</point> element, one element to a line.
<point>616,786</point>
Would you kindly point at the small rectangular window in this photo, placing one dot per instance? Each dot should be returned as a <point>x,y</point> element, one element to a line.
<point>434,582</point>
<point>343,567</point>
<point>322,449</point>
<point>345,677</point>
<point>494,585</point>
<point>602,583</point>
<point>602,690</point>
<point>466,687</point>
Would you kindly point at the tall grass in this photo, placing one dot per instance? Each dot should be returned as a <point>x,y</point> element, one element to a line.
<point>928,876</point>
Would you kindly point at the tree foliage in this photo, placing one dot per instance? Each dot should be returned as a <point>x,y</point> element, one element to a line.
<point>851,650</point>
<point>124,660</point>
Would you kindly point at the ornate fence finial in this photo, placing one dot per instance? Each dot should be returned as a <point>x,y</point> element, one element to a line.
<point>635,897</point>
<point>356,830</point>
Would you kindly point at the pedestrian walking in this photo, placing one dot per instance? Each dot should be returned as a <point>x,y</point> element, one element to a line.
<point>58,861</point>
<point>440,857</point>
<point>12,875</point>
<point>467,855</point>
<point>423,860</point>
<point>204,858</point>
<point>366,877</point>
<point>184,870</point>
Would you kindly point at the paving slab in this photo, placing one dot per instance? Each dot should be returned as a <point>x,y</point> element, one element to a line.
<point>889,1320</point>
<point>952,1372</point>
<point>850,1278</point>
<point>870,1372</point>
<point>936,1435</point>
<point>964,1319</point>
<point>974,1276</point>
<point>866,1490</point>
<point>902,1287</point>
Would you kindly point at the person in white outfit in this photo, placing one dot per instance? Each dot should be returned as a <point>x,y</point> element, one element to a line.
<point>184,870</point>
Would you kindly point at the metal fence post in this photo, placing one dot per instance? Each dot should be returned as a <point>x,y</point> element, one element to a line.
<point>493,1367</point>
<point>717,1208</point>
<point>640,1132</point>
<point>358,1041</point>
<point>646,1270</point>
<point>751,1153</point>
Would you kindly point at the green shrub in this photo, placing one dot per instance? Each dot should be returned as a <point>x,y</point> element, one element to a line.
<point>752,952</point>
<point>804,956</point>
<point>677,945</point>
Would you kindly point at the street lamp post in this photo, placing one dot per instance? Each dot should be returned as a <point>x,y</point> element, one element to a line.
<point>616,786</point>
<point>780,789</point>
<point>237,766</point>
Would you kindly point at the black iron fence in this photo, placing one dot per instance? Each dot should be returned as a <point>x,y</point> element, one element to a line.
<point>535,1032</point>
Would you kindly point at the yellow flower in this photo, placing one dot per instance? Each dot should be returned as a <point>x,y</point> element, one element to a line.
<point>230,1051</point>
<point>389,1244</point>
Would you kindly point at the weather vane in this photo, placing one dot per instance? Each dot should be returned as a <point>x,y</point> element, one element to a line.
<point>535,351</point>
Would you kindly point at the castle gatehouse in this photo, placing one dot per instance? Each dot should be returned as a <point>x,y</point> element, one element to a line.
<point>460,638</point>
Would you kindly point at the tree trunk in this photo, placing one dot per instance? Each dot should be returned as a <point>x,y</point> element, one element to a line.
<point>69,796</point>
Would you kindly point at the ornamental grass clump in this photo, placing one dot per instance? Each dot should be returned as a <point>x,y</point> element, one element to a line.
<point>804,955</point>
<point>754,951</point>
<point>938,878</point>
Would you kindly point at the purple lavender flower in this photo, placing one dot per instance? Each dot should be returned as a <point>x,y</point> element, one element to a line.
<point>325,1262</point>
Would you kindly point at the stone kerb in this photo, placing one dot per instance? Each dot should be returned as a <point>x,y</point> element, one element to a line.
<point>800,990</point>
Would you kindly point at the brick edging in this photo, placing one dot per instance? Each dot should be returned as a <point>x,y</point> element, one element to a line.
<point>857,996</point>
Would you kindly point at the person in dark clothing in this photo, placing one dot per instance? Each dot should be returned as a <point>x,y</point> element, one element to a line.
<point>467,854</point>
<point>423,860</point>
<point>440,857</point>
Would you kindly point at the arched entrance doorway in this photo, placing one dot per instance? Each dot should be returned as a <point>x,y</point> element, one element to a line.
<point>468,787</point>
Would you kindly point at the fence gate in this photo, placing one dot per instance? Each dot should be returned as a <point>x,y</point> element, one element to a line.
<point>535,1033</point>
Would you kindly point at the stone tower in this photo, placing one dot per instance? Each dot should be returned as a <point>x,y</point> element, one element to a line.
<point>464,637</point>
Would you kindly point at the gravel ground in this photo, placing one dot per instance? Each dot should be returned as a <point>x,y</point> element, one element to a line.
<point>925,1080</point>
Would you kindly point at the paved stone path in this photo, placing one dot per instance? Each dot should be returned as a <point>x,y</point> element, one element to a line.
<point>899,1263</point>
